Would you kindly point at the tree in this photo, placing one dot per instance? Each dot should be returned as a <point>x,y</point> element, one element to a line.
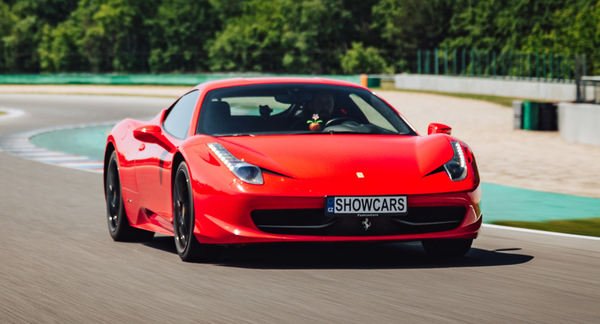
<point>363,60</point>
<point>28,20</point>
<point>409,25</point>
<point>305,36</point>
<point>178,33</point>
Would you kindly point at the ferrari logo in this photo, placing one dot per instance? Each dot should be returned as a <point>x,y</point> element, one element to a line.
<point>360,175</point>
<point>366,224</point>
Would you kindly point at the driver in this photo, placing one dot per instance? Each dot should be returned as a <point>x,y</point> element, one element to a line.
<point>320,109</point>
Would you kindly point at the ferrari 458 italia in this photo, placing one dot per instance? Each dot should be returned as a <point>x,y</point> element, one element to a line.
<point>244,161</point>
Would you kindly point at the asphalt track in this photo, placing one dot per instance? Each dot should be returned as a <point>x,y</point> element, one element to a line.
<point>58,263</point>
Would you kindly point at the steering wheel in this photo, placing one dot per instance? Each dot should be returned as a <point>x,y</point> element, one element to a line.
<point>339,120</point>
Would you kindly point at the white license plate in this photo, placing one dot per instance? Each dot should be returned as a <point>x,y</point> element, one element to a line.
<point>365,206</point>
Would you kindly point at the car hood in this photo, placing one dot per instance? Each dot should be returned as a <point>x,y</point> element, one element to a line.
<point>343,156</point>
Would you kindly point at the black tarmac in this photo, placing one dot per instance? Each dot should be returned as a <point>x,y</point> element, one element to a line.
<point>59,264</point>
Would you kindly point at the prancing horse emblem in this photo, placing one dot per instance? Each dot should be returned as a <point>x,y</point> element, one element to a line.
<point>366,224</point>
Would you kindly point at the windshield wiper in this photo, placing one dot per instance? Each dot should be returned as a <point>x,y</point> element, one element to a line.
<point>345,132</point>
<point>234,135</point>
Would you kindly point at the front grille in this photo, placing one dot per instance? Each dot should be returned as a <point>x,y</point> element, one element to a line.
<point>315,222</point>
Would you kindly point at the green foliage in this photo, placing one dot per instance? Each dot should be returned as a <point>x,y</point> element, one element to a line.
<point>407,25</point>
<point>26,22</point>
<point>363,60</point>
<point>283,36</point>
<point>7,21</point>
<point>575,29</point>
<point>300,36</point>
<point>178,33</point>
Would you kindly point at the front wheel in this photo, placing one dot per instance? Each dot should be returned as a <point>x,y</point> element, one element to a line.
<point>118,224</point>
<point>447,248</point>
<point>188,247</point>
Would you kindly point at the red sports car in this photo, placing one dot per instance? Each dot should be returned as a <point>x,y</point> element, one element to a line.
<point>244,161</point>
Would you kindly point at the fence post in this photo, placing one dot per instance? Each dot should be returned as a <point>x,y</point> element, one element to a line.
<point>480,67</point>
<point>519,63</point>
<point>577,81</point>
<point>454,60</point>
<point>426,61</point>
<point>464,68</point>
<point>503,63</point>
<point>529,64</point>
<point>436,63</point>
<point>544,73</point>
<point>472,60</point>
<point>559,70</point>
<point>446,61</point>
<point>583,73</point>
<point>494,63</point>
<point>568,66</point>
<point>550,67</point>
<point>419,61</point>
<point>537,66</point>
<point>510,62</point>
<point>487,64</point>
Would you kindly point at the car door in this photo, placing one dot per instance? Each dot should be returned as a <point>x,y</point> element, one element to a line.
<point>154,163</point>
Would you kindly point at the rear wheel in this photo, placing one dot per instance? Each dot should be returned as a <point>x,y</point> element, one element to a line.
<point>118,224</point>
<point>447,248</point>
<point>188,247</point>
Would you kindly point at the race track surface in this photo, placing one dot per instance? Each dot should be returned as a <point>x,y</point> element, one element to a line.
<point>58,263</point>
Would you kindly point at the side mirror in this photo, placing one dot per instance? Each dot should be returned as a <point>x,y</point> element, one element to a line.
<point>435,128</point>
<point>153,134</point>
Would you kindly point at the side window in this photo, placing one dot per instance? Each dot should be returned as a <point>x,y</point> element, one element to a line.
<point>178,121</point>
<point>372,114</point>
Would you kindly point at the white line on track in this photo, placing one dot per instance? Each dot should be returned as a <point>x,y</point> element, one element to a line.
<point>11,112</point>
<point>19,145</point>
<point>517,229</point>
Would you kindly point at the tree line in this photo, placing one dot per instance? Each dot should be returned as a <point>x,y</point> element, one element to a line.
<point>281,36</point>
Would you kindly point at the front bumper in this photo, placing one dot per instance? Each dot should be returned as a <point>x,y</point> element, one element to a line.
<point>227,219</point>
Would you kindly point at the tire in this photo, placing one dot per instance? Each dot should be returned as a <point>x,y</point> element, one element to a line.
<point>447,248</point>
<point>118,223</point>
<point>188,247</point>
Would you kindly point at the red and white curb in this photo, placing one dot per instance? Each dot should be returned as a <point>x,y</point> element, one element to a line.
<point>19,145</point>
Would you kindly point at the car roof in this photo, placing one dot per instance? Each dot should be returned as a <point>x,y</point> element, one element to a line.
<point>233,82</point>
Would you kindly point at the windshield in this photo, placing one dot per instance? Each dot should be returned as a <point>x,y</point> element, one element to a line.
<point>273,109</point>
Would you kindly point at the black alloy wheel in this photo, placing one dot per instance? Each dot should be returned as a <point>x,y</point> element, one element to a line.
<point>188,247</point>
<point>118,224</point>
<point>451,248</point>
<point>114,204</point>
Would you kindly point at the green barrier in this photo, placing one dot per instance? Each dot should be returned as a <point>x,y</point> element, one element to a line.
<point>373,82</point>
<point>530,115</point>
<point>144,79</point>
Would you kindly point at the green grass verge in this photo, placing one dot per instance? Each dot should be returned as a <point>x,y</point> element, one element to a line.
<point>588,227</point>
<point>2,113</point>
<point>504,101</point>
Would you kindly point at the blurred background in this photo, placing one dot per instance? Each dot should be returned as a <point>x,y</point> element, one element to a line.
<point>298,36</point>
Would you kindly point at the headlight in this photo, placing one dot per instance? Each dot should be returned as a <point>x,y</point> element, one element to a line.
<point>243,170</point>
<point>457,167</point>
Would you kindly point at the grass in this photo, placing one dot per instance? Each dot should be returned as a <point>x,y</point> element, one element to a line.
<point>503,101</point>
<point>2,112</point>
<point>588,227</point>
